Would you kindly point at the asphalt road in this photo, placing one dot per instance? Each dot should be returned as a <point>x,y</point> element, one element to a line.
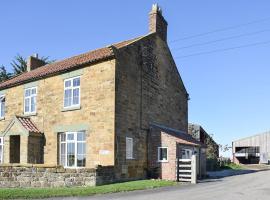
<point>253,186</point>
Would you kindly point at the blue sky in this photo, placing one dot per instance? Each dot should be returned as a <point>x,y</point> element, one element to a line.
<point>229,90</point>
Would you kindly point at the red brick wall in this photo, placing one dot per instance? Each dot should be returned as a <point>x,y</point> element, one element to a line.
<point>166,170</point>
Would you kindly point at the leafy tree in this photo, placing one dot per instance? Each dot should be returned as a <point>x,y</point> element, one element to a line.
<point>4,75</point>
<point>19,63</point>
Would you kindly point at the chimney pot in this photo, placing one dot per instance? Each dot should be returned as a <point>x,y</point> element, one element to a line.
<point>35,55</point>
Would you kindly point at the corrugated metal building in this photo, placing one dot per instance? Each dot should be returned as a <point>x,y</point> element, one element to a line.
<point>252,150</point>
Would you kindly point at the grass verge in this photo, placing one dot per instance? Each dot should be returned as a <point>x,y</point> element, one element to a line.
<point>232,166</point>
<point>30,193</point>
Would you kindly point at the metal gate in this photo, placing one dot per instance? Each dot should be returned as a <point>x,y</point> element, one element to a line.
<point>187,170</point>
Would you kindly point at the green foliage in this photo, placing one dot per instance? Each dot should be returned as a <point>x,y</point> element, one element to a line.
<point>19,65</point>
<point>212,148</point>
<point>4,75</point>
<point>30,193</point>
<point>232,166</point>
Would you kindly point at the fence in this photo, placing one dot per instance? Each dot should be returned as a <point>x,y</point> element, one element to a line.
<point>187,170</point>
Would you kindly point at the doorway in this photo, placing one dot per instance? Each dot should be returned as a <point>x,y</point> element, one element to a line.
<point>14,148</point>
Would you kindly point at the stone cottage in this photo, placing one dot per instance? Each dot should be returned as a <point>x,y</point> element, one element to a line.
<point>98,108</point>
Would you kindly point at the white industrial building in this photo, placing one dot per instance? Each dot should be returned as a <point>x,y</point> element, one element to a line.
<point>252,150</point>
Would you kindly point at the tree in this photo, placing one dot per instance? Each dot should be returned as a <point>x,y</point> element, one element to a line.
<point>19,63</point>
<point>4,75</point>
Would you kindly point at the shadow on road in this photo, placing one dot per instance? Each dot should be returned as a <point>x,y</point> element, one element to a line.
<point>229,172</point>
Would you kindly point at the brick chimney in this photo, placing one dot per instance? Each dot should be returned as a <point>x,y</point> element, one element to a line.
<point>157,23</point>
<point>34,62</point>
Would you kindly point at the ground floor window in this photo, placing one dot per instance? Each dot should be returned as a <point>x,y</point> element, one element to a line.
<point>129,148</point>
<point>1,149</point>
<point>162,154</point>
<point>72,149</point>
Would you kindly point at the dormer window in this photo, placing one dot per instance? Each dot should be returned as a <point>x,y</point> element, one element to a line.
<point>72,92</point>
<point>30,100</point>
<point>2,106</point>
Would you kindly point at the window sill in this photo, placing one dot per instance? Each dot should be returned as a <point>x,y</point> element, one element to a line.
<point>163,161</point>
<point>71,108</point>
<point>130,158</point>
<point>2,118</point>
<point>29,114</point>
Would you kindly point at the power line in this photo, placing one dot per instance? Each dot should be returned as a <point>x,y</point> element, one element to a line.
<point>221,30</point>
<point>222,50</point>
<point>222,39</point>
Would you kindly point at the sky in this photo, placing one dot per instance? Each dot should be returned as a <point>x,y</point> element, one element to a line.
<point>221,49</point>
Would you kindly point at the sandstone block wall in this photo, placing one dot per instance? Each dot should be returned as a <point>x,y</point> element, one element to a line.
<point>23,177</point>
<point>96,114</point>
<point>148,89</point>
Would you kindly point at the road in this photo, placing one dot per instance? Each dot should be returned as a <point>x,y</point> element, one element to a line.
<point>253,186</point>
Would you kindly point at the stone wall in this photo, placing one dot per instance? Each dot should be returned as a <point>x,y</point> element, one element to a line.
<point>13,176</point>
<point>95,115</point>
<point>149,89</point>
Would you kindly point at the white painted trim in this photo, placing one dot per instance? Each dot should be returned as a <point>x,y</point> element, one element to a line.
<point>72,88</point>
<point>30,101</point>
<point>2,153</point>
<point>159,154</point>
<point>2,117</point>
<point>75,146</point>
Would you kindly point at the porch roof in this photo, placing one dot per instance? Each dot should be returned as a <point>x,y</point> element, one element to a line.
<point>28,124</point>
<point>21,125</point>
<point>182,137</point>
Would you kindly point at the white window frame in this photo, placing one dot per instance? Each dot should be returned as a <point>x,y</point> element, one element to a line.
<point>72,88</point>
<point>75,141</point>
<point>2,97</point>
<point>167,160</point>
<point>2,153</point>
<point>129,156</point>
<point>30,100</point>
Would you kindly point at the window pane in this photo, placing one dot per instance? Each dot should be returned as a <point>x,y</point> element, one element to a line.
<point>27,93</point>
<point>68,83</point>
<point>1,151</point>
<point>76,82</point>
<point>33,104</point>
<point>34,90</point>
<point>81,148</point>
<point>67,98</point>
<point>26,105</point>
<point>63,137</point>
<point>2,114</point>
<point>164,154</point>
<point>76,96</point>
<point>70,136</point>
<point>80,136</point>
<point>81,160</point>
<point>63,149</point>
<point>71,154</point>
<point>63,154</point>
